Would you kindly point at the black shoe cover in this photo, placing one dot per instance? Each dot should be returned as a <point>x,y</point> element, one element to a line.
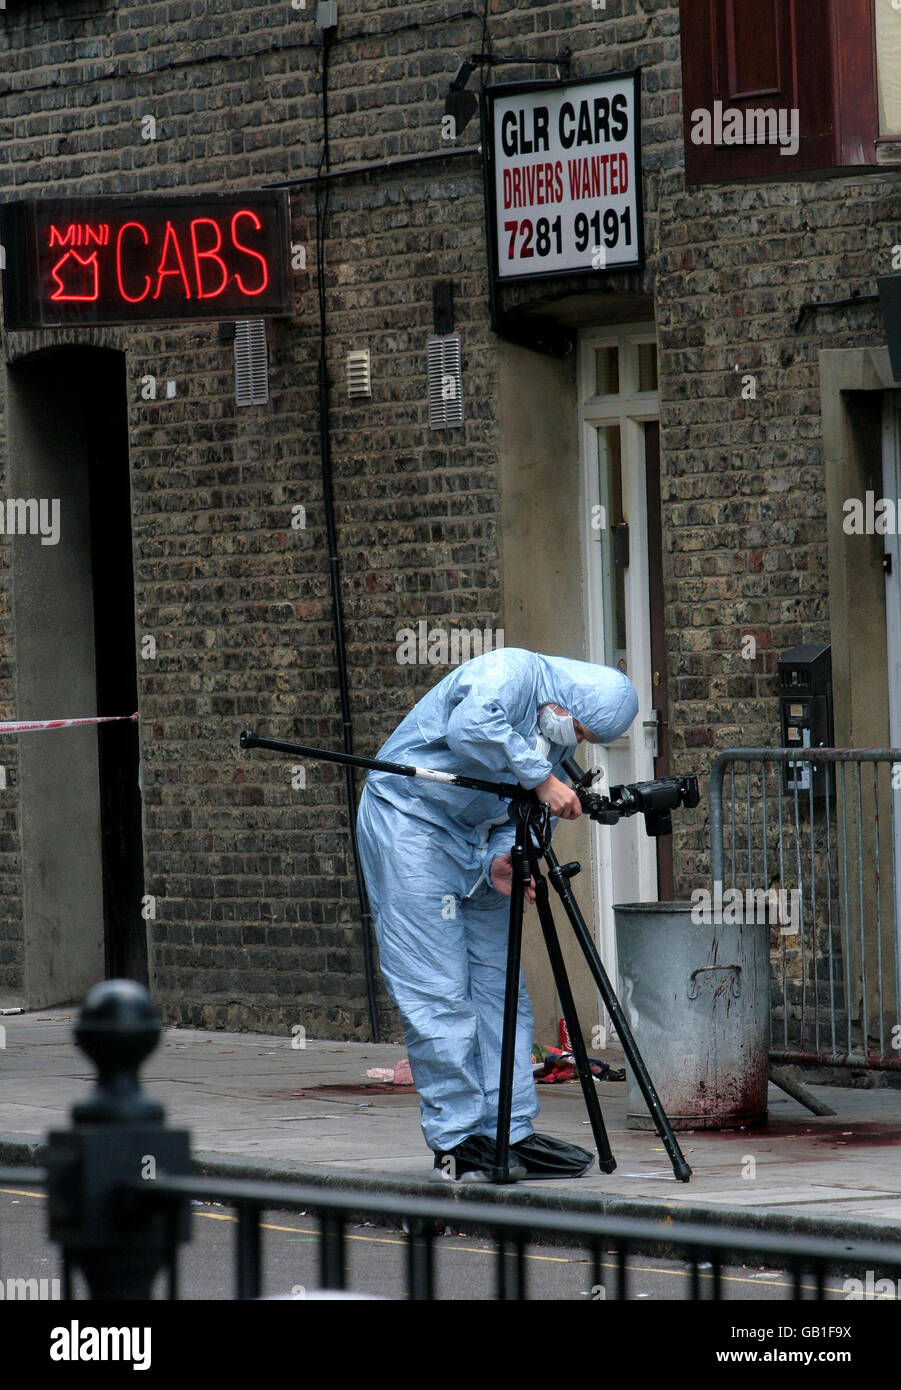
<point>545,1157</point>
<point>472,1160</point>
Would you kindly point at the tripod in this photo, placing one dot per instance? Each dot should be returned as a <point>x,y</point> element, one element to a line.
<point>532,844</point>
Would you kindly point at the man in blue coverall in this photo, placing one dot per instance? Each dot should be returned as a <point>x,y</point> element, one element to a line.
<point>436,860</point>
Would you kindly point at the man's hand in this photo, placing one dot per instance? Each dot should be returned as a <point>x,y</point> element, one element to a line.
<point>502,877</point>
<point>561,798</point>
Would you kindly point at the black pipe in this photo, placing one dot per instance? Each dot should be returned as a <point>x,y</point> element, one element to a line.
<point>853,299</point>
<point>328,503</point>
<point>398,161</point>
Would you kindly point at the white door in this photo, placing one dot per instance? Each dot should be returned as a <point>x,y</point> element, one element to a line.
<point>891,487</point>
<point>618,395</point>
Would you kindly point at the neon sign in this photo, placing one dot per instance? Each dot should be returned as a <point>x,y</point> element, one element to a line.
<point>118,260</point>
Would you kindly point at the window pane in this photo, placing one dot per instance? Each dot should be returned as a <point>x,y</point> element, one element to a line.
<point>647,366</point>
<point>610,480</point>
<point>888,60</point>
<point>606,370</point>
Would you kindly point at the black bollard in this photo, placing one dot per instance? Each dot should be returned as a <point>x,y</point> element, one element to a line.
<point>118,1140</point>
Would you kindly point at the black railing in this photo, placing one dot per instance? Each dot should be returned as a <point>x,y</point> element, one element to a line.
<point>515,1233</point>
<point>122,1225</point>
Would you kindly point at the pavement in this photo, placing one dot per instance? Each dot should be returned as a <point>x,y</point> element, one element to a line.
<point>259,1107</point>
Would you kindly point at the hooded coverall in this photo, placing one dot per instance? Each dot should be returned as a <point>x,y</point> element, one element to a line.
<point>426,851</point>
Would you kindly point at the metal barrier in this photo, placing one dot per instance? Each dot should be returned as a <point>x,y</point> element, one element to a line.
<point>809,1261</point>
<point>122,1226</point>
<point>819,826</point>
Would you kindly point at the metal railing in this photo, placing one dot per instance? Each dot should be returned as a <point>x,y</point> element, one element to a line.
<point>704,1251</point>
<point>819,826</point>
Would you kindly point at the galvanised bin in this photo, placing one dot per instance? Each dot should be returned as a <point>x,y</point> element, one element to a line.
<point>697,998</point>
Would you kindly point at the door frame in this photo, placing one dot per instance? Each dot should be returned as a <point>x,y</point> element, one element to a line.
<point>891,488</point>
<point>631,409</point>
<point>80,809</point>
<point>659,681</point>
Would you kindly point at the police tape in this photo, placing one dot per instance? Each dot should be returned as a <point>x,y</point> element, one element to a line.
<point>24,726</point>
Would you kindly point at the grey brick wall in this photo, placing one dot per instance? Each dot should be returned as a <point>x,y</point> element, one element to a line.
<point>257,923</point>
<point>744,488</point>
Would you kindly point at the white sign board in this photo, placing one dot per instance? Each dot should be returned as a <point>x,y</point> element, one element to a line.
<point>565,177</point>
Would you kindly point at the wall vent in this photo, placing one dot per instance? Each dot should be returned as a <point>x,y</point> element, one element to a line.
<point>251,362</point>
<point>445,371</point>
<point>359,375</point>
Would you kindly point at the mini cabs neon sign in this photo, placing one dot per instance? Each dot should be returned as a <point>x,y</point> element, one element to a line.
<point>125,260</point>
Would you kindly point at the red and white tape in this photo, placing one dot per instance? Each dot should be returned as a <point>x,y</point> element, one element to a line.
<point>24,726</point>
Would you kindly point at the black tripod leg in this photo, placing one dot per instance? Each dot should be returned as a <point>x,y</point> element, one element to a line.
<point>521,875</point>
<point>606,1161</point>
<point>624,1032</point>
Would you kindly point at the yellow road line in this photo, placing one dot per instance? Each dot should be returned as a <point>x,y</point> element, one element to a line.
<point>474,1249</point>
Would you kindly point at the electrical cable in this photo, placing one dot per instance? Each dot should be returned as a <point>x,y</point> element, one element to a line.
<point>485,42</point>
<point>322,190</point>
<point>377,166</point>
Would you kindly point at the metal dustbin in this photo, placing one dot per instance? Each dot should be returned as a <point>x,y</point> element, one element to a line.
<point>697,999</point>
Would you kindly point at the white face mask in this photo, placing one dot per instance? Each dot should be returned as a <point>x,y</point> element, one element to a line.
<point>559,728</point>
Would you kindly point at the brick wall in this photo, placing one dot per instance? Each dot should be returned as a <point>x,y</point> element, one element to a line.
<point>744,488</point>
<point>257,922</point>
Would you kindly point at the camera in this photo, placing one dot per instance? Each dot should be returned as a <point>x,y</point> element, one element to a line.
<point>654,800</point>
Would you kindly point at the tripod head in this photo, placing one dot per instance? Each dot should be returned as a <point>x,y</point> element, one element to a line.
<point>655,800</point>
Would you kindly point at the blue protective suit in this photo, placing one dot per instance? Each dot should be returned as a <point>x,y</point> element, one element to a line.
<point>426,851</point>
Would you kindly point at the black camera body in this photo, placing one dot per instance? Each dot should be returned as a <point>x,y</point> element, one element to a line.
<point>654,800</point>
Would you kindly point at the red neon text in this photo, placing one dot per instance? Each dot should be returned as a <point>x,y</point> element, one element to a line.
<point>162,272</point>
<point>80,234</point>
<point>131,298</point>
<point>247,252</point>
<point>208,255</point>
<point>168,260</point>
